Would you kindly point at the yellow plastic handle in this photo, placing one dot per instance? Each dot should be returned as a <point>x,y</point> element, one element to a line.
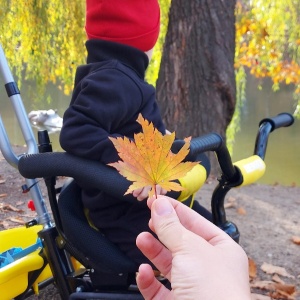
<point>252,168</point>
<point>192,182</point>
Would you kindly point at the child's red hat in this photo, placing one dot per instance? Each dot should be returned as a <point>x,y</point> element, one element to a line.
<point>131,22</point>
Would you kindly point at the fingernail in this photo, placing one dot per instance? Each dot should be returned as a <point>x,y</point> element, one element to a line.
<point>163,207</point>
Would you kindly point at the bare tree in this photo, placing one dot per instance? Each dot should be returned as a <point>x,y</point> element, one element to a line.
<point>196,85</point>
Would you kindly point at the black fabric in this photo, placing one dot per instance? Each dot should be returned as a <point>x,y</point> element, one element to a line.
<point>92,174</point>
<point>102,254</point>
<point>109,94</point>
<point>85,172</point>
<point>202,211</point>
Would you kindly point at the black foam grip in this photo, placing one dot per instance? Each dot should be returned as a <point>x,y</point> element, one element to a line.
<point>281,120</point>
<point>208,142</point>
<point>87,173</point>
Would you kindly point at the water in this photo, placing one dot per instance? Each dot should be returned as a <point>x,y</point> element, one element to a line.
<point>283,153</point>
<point>53,99</point>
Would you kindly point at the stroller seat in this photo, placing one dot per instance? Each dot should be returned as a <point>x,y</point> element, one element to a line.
<point>108,268</point>
<point>111,267</point>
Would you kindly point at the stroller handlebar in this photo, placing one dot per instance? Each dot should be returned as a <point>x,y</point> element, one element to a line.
<point>87,173</point>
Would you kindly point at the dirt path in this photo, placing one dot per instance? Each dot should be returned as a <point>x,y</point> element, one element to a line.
<point>268,218</point>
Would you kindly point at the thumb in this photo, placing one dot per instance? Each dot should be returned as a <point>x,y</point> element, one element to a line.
<point>166,224</point>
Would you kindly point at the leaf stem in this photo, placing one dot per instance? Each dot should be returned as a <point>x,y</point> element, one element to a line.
<point>155,191</point>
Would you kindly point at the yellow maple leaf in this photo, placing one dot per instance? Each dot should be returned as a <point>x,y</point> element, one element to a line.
<point>148,160</point>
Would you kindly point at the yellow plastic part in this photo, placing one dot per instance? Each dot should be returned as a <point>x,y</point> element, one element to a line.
<point>14,277</point>
<point>252,168</point>
<point>46,274</point>
<point>76,264</point>
<point>192,182</point>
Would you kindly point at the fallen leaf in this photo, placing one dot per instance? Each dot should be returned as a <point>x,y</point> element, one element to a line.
<point>283,291</point>
<point>17,220</point>
<point>230,205</point>
<point>3,195</point>
<point>259,297</point>
<point>270,269</point>
<point>296,240</point>
<point>231,202</point>
<point>261,284</point>
<point>148,160</point>
<point>10,207</point>
<point>2,181</point>
<point>277,279</point>
<point>252,268</point>
<point>277,290</point>
<point>231,199</point>
<point>20,203</point>
<point>241,211</point>
<point>5,224</point>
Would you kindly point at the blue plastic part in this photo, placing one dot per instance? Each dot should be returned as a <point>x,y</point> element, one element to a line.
<point>15,253</point>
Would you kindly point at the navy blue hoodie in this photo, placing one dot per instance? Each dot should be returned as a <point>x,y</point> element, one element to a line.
<point>109,94</point>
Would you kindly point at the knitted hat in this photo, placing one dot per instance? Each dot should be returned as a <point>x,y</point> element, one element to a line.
<point>131,22</point>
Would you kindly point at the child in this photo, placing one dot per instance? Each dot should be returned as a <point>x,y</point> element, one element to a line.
<point>109,94</point>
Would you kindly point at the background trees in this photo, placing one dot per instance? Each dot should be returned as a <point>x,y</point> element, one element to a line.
<point>267,46</point>
<point>268,39</point>
<point>44,41</point>
<point>196,85</point>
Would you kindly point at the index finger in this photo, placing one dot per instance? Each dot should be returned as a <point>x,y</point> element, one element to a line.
<point>193,221</point>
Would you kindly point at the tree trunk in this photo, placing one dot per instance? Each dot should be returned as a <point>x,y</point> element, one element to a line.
<point>196,84</point>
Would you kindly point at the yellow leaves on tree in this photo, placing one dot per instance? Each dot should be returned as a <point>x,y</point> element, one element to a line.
<point>148,160</point>
<point>267,40</point>
<point>44,40</point>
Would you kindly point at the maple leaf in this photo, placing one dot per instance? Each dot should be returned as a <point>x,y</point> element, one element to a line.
<point>270,269</point>
<point>252,268</point>
<point>148,160</point>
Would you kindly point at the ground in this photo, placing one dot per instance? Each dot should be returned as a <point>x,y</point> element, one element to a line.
<point>268,218</point>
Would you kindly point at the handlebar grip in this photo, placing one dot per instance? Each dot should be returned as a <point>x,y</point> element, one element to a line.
<point>86,172</point>
<point>281,120</point>
<point>208,142</point>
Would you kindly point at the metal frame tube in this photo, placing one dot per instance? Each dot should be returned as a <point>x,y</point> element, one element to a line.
<point>7,151</point>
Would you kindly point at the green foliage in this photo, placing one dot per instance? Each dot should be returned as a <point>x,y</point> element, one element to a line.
<point>234,125</point>
<point>267,44</point>
<point>268,39</point>
<point>43,40</point>
<point>152,72</point>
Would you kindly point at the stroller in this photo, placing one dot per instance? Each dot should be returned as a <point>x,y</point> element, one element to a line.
<point>65,249</point>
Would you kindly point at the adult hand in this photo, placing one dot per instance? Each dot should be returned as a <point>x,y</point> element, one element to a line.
<point>198,258</point>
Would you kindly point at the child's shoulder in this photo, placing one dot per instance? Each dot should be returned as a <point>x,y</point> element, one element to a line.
<point>110,71</point>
